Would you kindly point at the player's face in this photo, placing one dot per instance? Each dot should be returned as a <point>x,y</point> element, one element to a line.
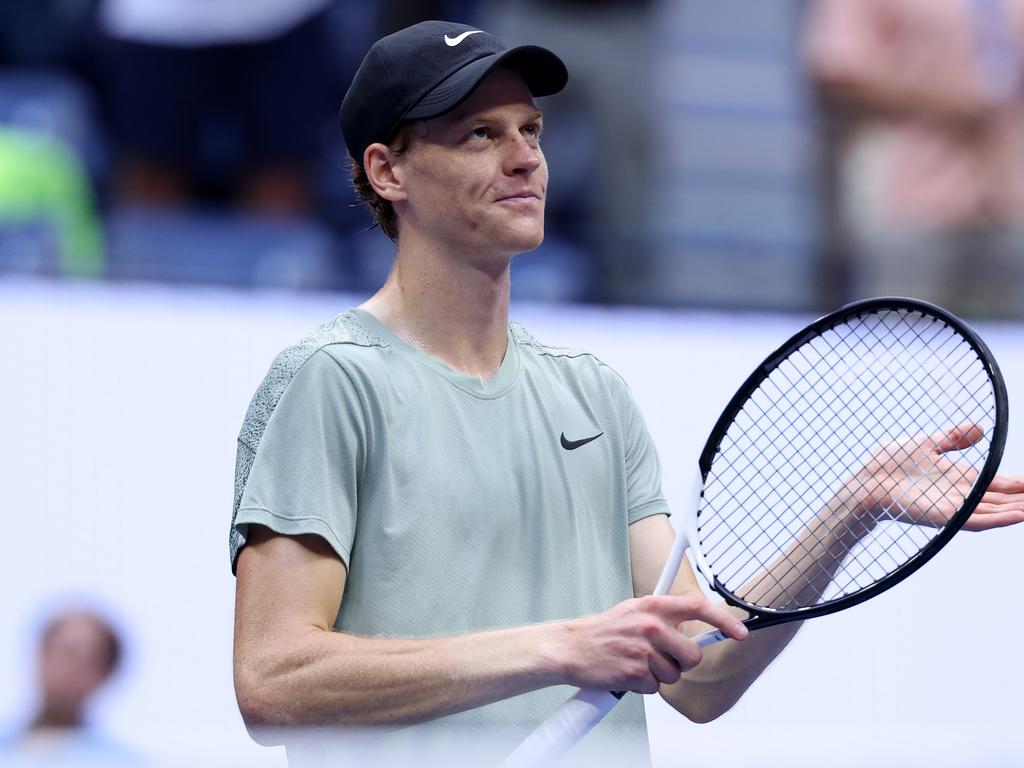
<point>476,177</point>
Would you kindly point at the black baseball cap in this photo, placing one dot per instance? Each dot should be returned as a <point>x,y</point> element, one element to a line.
<point>427,69</point>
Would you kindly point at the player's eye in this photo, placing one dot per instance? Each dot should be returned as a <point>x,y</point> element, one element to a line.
<point>532,130</point>
<point>480,132</point>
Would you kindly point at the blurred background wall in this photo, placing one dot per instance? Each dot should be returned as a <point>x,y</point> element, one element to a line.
<point>121,409</point>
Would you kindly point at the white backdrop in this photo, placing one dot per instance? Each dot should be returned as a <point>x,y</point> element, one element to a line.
<point>120,410</point>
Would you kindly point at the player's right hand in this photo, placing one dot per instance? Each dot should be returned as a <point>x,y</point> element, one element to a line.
<point>637,645</point>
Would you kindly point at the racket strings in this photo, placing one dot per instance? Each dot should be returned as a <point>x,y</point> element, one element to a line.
<point>796,565</point>
<point>861,394</point>
<point>774,481</point>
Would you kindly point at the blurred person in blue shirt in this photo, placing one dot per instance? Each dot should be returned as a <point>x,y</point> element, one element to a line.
<point>79,653</point>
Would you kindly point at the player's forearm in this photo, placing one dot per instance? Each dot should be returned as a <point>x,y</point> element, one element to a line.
<point>335,678</point>
<point>799,576</point>
<point>726,671</point>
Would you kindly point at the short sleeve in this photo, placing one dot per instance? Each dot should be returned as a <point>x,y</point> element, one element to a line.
<point>643,468</point>
<point>303,473</point>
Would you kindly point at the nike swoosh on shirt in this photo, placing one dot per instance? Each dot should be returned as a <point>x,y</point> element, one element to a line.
<point>572,445</point>
<point>451,42</point>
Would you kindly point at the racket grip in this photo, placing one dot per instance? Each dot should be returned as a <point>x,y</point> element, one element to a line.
<point>556,735</point>
<point>710,637</point>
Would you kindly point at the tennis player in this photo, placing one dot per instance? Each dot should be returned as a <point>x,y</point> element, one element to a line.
<point>440,520</point>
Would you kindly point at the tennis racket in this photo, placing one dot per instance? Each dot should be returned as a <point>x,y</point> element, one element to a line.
<point>842,465</point>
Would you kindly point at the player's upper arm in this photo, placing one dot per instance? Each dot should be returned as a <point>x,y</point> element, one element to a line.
<point>650,541</point>
<point>286,587</point>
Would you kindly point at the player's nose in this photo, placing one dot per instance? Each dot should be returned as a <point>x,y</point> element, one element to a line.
<point>524,156</point>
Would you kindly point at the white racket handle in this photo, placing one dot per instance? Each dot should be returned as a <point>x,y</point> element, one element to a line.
<point>578,716</point>
<point>710,637</point>
<point>567,725</point>
<point>574,720</point>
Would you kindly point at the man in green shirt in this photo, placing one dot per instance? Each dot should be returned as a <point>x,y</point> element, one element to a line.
<point>439,519</point>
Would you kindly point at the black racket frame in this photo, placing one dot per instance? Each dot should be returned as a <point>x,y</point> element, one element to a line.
<point>766,617</point>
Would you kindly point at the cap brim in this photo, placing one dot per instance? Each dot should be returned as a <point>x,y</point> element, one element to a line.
<point>542,70</point>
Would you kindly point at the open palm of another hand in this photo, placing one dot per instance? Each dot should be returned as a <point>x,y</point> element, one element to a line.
<point>913,481</point>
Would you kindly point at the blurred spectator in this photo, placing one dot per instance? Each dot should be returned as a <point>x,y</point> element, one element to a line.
<point>79,652</point>
<point>46,204</point>
<point>600,135</point>
<point>233,99</point>
<point>44,33</point>
<point>931,158</point>
<point>393,15</point>
<point>52,152</point>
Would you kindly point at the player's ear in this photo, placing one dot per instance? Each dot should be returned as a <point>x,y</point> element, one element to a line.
<point>379,163</point>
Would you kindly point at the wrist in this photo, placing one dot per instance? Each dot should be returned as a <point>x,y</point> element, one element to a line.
<point>558,657</point>
<point>849,516</point>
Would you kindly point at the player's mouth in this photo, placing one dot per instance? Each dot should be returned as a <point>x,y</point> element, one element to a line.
<point>521,199</point>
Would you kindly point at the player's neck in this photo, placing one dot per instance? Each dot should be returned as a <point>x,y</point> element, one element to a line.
<point>454,309</point>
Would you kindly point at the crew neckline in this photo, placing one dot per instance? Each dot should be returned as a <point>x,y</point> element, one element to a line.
<point>492,387</point>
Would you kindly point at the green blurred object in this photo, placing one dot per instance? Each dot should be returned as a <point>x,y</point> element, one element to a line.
<point>41,180</point>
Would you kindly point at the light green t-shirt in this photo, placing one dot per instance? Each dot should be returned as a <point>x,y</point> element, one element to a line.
<point>457,504</point>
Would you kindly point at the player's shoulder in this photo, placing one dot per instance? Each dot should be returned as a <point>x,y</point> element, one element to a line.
<point>320,356</point>
<point>573,360</point>
<point>532,345</point>
<point>340,338</point>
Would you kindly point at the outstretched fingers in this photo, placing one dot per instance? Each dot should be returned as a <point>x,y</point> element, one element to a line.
<point>1002,505</point>
<point>982,520</point>
<point>956,438</point>
<point>1007,484</point>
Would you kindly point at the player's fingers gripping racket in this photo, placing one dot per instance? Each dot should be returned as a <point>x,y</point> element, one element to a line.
<point>843,463</point>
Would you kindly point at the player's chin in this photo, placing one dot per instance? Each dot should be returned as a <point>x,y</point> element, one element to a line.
<point>521,224</point>
<point>527,244</point>
<point>524,236</point>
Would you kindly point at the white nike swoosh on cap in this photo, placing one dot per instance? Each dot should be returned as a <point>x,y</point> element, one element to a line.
<point>451,42</point>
